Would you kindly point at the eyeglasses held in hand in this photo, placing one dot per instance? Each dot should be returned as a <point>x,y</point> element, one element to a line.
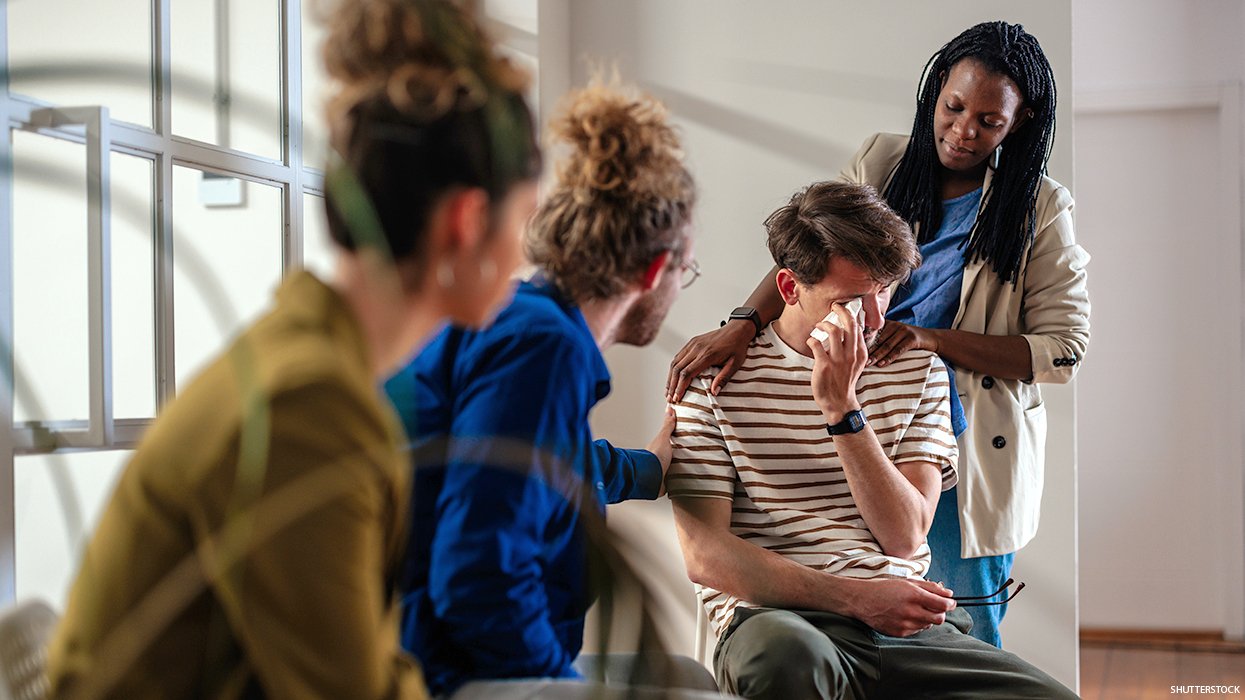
<point>984,599</point>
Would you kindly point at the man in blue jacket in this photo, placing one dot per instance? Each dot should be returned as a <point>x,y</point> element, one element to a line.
<point>507,471</point>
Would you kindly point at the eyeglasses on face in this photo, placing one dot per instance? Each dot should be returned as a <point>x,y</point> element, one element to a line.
<point>985,599</point>
<point>690,271</point>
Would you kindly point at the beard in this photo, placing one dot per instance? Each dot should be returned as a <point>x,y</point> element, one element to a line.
<point>871,338</point>
<point>639,326</point>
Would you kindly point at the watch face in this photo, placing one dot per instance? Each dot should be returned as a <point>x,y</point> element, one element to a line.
<point>743,312</point>
<point>853,422</point>
<point>857,421</point>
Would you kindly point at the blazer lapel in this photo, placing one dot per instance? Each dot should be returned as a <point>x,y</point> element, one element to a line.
<point>974,268</point>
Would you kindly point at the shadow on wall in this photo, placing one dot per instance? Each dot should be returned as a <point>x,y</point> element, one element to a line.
<point>769,135</point>
<point>815,80</point>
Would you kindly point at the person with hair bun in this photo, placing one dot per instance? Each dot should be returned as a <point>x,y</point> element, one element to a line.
<point>252,545</point>
<point>508,475</point>
<point>1001,295</point>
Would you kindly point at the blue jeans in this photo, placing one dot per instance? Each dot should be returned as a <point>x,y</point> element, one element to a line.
<point>967,577</point>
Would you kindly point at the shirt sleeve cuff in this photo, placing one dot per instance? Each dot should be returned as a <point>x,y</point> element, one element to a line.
<point>648,475</point>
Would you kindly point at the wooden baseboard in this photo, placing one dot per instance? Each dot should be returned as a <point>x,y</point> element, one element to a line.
<point>1170,640</point>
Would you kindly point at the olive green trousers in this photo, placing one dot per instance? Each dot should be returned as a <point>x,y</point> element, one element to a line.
<point>807,655</point>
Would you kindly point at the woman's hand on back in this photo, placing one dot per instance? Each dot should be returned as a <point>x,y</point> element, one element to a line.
<point>726,347</point>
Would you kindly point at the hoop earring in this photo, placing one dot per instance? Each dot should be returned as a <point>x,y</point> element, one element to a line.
<point>445,274</point>
<point>488,270</point>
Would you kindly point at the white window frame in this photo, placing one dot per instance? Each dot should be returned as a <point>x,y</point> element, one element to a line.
<point>158,144</point>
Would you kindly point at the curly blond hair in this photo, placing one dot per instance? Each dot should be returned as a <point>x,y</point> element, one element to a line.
<point>423,103</point>
<point>623,195</point>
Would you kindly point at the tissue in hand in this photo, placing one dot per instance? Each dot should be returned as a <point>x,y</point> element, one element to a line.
<point>853,308</point>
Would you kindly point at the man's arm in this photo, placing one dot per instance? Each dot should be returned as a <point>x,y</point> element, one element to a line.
<point>702,482</point>
<point>630,474</point>
<point>717,558</point>
<point>627,474</point>
<point>896,502</point>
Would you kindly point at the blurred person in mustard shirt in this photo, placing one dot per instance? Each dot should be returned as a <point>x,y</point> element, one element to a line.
<point>251,546</point>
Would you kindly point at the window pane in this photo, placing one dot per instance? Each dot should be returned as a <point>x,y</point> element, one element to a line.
<point>133,284</point>
<point>49,279</point>
<point>513,23</point>
<point>59,498</point>
<point>315,88</point>
<point>227,237</point>
<point>319,252</point>
<point>84,52</point>
<point>227,73</point>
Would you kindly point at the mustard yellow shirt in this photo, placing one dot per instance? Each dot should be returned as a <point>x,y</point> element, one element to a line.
<point>250,546</point>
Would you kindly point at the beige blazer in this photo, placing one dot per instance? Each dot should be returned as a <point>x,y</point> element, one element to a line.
<point>1002,454</point>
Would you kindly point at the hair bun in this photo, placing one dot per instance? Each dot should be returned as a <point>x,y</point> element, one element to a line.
<point>622,145</point>
<point>419,60</point>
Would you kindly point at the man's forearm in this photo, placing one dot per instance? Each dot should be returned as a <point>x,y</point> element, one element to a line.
<point>721,560</point>
<point>895,510</point>
<point>627,474</point>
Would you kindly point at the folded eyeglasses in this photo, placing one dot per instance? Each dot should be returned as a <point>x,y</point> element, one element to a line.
<point>969,601</point>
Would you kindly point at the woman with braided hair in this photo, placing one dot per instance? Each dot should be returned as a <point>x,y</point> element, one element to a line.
<point>253,543</point>
<point>1000,296</point>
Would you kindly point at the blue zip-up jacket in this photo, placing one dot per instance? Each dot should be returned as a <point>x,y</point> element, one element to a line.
<point>495,581</point>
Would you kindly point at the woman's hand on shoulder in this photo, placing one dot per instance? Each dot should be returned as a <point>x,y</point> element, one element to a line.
<point>896,338</point>
<point>726,347</point>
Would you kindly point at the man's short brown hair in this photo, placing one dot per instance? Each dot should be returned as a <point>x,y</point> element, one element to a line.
<point>839,219</point>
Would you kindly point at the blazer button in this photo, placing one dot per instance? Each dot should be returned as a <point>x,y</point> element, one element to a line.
<point>999,442</point>
<point>987,382</point>
<point>1058,362</point>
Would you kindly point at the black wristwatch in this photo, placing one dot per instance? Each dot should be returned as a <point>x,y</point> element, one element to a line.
<point>746,313</point>
<point>853,422</point>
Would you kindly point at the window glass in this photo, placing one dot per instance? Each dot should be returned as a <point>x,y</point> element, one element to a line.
<point>226,67</point>
<point>315,88</point>
<point>59,499</point>
<point>50,334</point>
<point>133,288</point>
<point>226,261</point>
<point>319,252</point>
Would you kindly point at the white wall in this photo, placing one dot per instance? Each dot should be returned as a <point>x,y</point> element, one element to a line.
<point>770,97</point>
<point>1158,174</point>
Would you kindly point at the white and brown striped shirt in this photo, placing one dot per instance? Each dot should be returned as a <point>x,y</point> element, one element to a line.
<point>762,443</point>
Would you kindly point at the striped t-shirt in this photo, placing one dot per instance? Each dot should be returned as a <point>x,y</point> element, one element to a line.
<point>762,443</point>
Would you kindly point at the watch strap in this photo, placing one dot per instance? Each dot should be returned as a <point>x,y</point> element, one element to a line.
<point>749,313</point>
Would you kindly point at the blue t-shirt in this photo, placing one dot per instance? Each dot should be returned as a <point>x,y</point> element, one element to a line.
<point>495,579</point>
<point>931,296</point>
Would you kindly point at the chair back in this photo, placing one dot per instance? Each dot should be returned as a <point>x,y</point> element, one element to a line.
<point>25,630</point>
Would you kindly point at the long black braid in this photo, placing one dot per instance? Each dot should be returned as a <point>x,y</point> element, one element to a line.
<point>1005,225</point>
